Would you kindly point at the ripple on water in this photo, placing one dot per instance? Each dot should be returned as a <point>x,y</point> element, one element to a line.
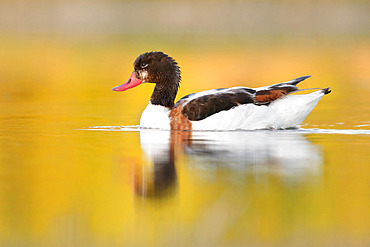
<point>114,128</point>
<point>298,130</point>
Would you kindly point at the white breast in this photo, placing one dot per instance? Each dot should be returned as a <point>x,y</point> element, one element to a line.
<point>155,116</point>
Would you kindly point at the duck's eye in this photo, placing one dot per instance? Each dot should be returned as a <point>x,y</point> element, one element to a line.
<point>144,64</point>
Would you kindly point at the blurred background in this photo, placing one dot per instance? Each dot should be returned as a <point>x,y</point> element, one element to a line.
<point>61,186</point>
<point>78,50</point>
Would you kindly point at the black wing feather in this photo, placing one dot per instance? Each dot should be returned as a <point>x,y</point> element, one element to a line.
<point>207,105</point>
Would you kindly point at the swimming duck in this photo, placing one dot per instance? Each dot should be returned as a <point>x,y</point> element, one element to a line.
<point>269,107</point>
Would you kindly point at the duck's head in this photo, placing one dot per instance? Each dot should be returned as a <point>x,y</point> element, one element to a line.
<point>153,67</point>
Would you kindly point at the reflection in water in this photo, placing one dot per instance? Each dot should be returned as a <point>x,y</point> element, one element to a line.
<point>277,152</point>
<point>286,154</point>
<point>157,177</point>
<point>157,181</point>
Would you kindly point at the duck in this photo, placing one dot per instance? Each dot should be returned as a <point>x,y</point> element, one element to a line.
<point>236,108</point>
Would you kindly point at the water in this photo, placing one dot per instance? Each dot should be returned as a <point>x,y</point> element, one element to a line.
<point>66,183</point>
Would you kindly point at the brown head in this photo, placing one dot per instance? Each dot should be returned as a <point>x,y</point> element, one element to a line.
<point>158,68</point>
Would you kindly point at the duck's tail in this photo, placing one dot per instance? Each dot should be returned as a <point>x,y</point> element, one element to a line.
<point>302,78</point>
<point>294,108</point>
<point>324,90</point>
